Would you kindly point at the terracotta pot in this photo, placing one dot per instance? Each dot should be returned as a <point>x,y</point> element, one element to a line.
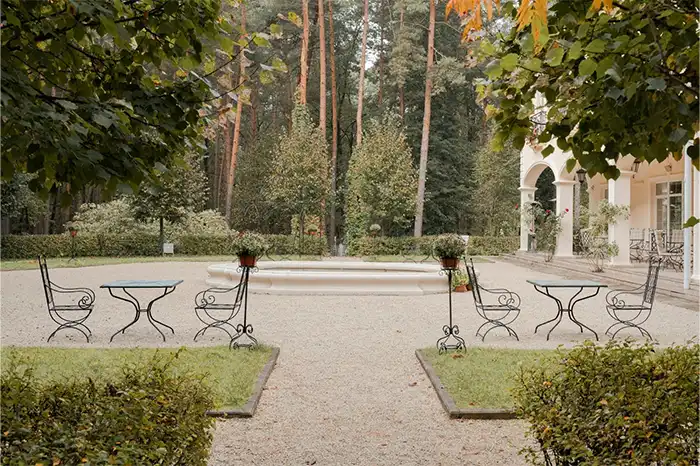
<point>449,262</point>
<point>460,288</point>
<point>247,261</point>
<point>468,286</point>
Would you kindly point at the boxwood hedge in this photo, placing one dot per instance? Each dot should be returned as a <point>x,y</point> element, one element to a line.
<point>409,245</point>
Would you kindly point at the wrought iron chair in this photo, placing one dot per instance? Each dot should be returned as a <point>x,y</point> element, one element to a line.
<point>497,315</point>
<point>668,252</point>
<point>67,316</point>
<point>217,315</point>
<point>638,250</point>
<point>633,315</point>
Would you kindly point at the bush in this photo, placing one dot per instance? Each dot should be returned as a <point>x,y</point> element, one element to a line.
<point>449,246</point>
<point>409,245</point>
<point>618,404</point>
<point>148,416</point>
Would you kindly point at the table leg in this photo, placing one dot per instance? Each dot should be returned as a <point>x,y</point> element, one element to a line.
<point>559,310</point>
<point>573,303</point>
<point>568,310</point>
<point>137,307</point>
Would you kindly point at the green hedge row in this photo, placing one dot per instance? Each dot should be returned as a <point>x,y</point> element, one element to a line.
<point>409,245</point>
<point>30,246</point>
<point>148,415</point>
<point>620,404</point>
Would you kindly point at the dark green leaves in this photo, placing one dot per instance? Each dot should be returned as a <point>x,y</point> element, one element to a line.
<point>509,62</point>
<point>656,84</point>
<point>587,67</point>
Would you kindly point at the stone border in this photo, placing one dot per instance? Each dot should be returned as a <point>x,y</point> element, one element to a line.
<point>248,409</point>
<point>449,404</point>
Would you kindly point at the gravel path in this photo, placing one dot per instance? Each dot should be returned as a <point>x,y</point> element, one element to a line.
<point>342,390</point>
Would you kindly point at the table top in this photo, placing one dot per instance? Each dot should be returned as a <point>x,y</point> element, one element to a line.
<point>567,284</point>
<point>142,284</point>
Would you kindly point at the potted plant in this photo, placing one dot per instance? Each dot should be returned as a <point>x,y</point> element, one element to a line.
<point>449,248</point>
<point>248,247</point>
<point>460,282</point>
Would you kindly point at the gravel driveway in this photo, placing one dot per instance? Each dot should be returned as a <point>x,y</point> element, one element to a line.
<point>343,391</point>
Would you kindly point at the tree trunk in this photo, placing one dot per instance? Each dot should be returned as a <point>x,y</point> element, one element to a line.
<point>161,238</point>
<point>322,93</point>
<point>381,53</point>
<point>361,90</point>
<point>237,127</point>
<point>304,71</point>
<point>418,227</point>
<point>334,122</point>
<point>402,101</point>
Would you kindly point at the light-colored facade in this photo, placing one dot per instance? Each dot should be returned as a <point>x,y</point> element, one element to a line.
<point>655,195</point>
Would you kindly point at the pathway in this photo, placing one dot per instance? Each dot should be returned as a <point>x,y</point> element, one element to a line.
<point>347,388</point>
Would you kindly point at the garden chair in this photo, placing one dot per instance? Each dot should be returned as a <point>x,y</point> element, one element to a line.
<point>218,315</point>
<point>633,314</point>
<point>668,252</point>
<point>67,316</point>
<point>498,314</point>
<point>638,247</point>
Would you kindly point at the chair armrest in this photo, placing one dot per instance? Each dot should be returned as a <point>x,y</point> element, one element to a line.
<point>208,297</point>
<point>505,297</point>
<point>616,298</point>
<point>84,302</point>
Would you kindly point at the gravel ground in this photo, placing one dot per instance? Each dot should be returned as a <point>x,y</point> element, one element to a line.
<point>342,392</point>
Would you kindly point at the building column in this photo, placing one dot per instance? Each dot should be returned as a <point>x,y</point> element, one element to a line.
<point>565,205</point>
<point>696,228</point>
<point>527,195</point>
<point>620,193</point>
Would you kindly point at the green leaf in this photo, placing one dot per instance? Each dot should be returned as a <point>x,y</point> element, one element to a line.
<point>278,64</point>
<point>570,165</point>
<point>260,40</point>
<point>547,150</point>
<point>587,67</point>
<point>509,62</point>
<point>493,70</point>
<point>102,120</point>
<point>596,46</point>
<point>276,30</point>
<point>67,105</point>
<point>604,65</point>
<point>110,26</point>
<point>294,18</point>
<point>656,84</point>
<point>533,64</point>
<point>575,51</point>
<point>678,135</point>
<point>555,56</point>
<point>614,93</point>
<point>266,77</point>
<point>692,221</point>
<point>226,44</point>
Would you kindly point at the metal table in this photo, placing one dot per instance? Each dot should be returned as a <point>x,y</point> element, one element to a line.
<point>168,287</point>
<point>545,285</point>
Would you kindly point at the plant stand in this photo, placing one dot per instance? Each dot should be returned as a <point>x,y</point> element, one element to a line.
<point>451,331</point>
<point>243,336</point>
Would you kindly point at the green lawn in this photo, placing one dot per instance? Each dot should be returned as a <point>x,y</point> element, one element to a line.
<point>230,373</point>
<point>483,377</point>
<point>62,262</point>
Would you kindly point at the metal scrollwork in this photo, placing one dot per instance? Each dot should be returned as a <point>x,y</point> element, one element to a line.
<point>634,313</point>
<point>451,331</point>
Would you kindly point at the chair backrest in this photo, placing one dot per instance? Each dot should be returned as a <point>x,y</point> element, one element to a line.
<point>676,237</point>
<point>471,273</point>
<point>46,281</point>
<point>652,281</point>
<point>658,241</point>
<point>636,234</point>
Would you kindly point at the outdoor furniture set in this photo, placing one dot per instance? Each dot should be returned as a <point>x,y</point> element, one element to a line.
<point>215,315</point>
<point>667,246</point>
<point>628,308</point>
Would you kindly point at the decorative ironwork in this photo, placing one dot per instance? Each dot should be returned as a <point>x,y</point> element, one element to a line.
<point>633,315</point>
<point>569,310</point>
<point>131,299</point>
<point>215,314</point>
<point>243,336</point>
<point>67,316</point>
<point>451,330</point>
<point>499,315</point>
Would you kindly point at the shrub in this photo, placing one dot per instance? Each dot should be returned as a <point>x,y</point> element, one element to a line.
<point>249,244</point>
<point>409,245</point>
<point>147,416</point>
<point>492,245</point>
<point>449,245</point>
<point>618,404</point>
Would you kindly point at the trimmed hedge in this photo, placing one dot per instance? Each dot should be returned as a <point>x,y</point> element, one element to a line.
<point>409,245</point>
<point>87,245</point>
<point>148,415</point>
<point>619,404</point>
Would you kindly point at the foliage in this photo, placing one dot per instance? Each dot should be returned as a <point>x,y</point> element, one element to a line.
<point>409,245</point>
<point>547,226</point>
<point>375,228</point>
<point>460,278</point>
<point>618,404</point>
<point>492,245</point>
<point>300,180</point>
<point>381,180</point>
<point>496,195</point>
<point>19,203</point>
<point>83,101</point>
<point>449,245</point>
<point>148,415</point>
<point>249,244</point>
<point>600,248</point>
<point>622,81</point>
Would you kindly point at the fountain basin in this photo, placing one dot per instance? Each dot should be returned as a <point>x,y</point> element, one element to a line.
<point>333,277</point>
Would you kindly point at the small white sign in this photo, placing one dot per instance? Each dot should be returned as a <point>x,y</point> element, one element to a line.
<point>466,239</point>
<point>168,248</point>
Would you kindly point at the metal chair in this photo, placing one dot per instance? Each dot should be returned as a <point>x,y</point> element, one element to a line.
<point>67,316</point>
<point>497,315</point>
<point>638,250</point>
<point>668,251</point>
<point>217,315</point>
<point>633,315</point>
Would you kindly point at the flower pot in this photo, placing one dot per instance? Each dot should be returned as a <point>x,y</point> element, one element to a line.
<point>460,288</point>
<point>468,286</point>
<point>449,262</point>
<point>247,261</point>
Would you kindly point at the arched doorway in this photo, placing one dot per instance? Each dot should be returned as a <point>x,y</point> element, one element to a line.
<point>546,193</point>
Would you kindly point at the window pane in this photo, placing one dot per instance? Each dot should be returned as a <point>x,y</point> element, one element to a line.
<point>676,212</point>
<point>661,188</point>
<point>676,187</point>
<point>661,213</point>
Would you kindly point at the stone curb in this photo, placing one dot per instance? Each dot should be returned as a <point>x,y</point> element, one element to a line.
<point>449,404</point>
<point>248,409</point>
